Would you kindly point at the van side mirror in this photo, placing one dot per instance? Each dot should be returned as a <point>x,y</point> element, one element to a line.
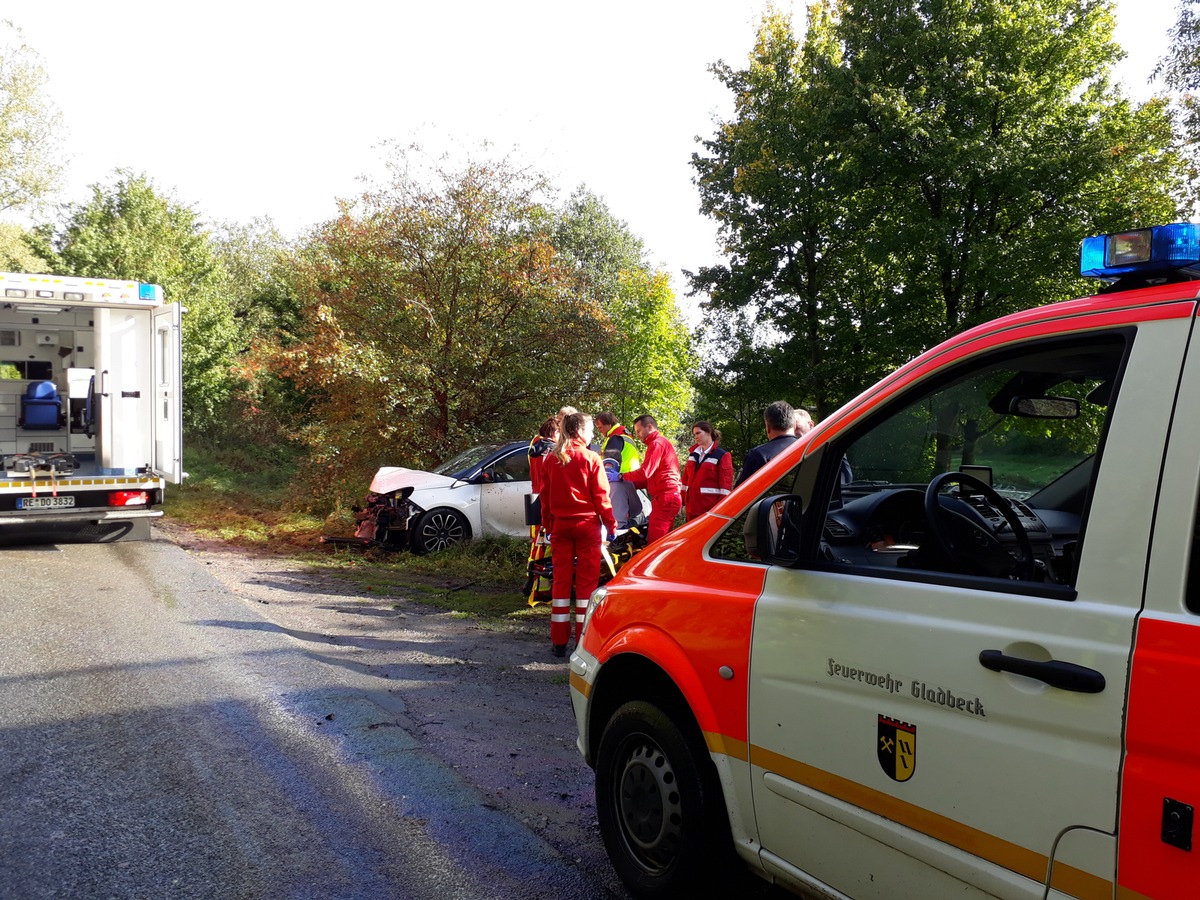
<point>773,529</point>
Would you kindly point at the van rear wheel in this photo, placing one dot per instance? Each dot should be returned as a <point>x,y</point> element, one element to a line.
<point>660,807</point>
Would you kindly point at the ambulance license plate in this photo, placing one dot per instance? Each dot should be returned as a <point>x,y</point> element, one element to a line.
<point>44,502</point>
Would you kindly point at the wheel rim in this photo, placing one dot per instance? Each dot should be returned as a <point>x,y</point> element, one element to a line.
<point>440,531</point>
<point>648,805</point>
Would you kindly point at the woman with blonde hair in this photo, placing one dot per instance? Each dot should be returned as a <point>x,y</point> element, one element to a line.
<point>575,505</point>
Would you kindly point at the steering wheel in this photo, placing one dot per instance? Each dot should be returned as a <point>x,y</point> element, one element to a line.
<point>992,556</point>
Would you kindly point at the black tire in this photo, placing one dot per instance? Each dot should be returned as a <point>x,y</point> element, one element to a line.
<point>660,807</point>
<point>439,529</point>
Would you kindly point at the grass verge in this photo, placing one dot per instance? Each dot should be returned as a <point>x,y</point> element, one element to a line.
<point>234,497</point>
<point>480,578</point>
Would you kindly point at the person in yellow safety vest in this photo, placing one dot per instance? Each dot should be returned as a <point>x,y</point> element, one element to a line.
<point>620,454</point>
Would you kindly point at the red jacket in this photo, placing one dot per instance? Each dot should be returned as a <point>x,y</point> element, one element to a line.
<point>708,481</point>
<point>659,473</point>
<point>576,489</point>
<point>539,450</point>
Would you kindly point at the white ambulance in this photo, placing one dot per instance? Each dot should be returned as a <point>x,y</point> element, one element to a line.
<point>90,424</point>
<point>969,669</point>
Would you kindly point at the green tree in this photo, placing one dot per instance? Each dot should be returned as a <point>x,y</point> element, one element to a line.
<point>650,367</point>
<point>435,313</point>
<point>650,364</point>
<point>1180,67</point>
<point>1179,71</point>
<point>30,126</point>
<point>16,250</point>
<point>915,168</point>
<point>776,183</point>
<point>256,260</point>
<point>735,382</point>
<point>258,264</point>
<point>601,246</point>
<point>991,141</point>
<point>130,230</point>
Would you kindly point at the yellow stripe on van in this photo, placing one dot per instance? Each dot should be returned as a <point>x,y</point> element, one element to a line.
<point>579,684</point>
<point>723,744</point>
<point>1014,857</point>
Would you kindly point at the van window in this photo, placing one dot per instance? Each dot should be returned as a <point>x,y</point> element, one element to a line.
<point>731,543</point>
<point>985,473</point>
<point>26,370</point>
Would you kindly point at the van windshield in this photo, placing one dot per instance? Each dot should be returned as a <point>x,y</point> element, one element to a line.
<point>1018,425</point>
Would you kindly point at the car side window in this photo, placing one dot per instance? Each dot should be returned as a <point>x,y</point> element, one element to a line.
<point>985,473</point>
<point>514,467</point>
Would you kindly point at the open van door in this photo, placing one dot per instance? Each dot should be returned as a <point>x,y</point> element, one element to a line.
<point>168,393</point>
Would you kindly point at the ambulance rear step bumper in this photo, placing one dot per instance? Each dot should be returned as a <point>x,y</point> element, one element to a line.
<point>92,516</point>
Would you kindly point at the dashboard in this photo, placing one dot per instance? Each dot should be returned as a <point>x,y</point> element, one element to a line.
<point>889,528</point>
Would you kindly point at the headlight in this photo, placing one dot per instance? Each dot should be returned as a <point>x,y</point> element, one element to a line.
<point>594,602</point>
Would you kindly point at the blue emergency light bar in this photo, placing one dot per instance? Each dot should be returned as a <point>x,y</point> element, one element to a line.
<point>1146,250</point>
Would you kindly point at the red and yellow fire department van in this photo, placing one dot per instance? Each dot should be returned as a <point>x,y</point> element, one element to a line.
<point>965,663</point>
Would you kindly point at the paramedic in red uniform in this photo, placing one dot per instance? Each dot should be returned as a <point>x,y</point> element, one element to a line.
<point>659,475</point>
<point>539,451</point>
<point>708,475</point>
<point>575,505</point>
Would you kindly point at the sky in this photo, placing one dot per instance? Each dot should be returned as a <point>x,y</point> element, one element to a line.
<point>252,108</point>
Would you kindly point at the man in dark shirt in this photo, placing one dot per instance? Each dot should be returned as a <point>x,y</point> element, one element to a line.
<point>778,419</point>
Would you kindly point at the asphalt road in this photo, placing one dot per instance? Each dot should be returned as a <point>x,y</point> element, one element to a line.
<point>160,738</point>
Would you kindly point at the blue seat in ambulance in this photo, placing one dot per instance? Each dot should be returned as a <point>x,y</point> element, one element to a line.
<point>41,407</point>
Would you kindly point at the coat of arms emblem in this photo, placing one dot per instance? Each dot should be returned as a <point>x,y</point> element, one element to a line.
<point>897,748</point>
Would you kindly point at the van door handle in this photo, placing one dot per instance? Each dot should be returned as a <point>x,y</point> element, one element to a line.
<point>1064,675</point>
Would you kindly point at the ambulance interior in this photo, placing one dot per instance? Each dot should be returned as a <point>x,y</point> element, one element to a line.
<point>48,405</point>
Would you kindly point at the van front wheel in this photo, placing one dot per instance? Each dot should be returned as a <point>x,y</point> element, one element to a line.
<point>661,813</point>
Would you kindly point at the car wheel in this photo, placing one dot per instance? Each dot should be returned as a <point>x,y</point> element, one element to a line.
<point>439,529</point>
<point>661,813</point>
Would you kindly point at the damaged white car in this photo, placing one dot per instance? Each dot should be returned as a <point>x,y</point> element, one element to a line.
<point>480,492</point>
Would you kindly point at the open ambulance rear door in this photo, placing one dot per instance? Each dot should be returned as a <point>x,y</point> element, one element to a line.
<point>168,393</point>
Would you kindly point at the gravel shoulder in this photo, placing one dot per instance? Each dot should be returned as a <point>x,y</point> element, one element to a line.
<point>486,698</point>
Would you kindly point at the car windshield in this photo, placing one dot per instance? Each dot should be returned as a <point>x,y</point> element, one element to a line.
<point>468,459</point>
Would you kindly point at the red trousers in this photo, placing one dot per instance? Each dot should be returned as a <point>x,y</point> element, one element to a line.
<point>663,511</point>
<point>576,546</point>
